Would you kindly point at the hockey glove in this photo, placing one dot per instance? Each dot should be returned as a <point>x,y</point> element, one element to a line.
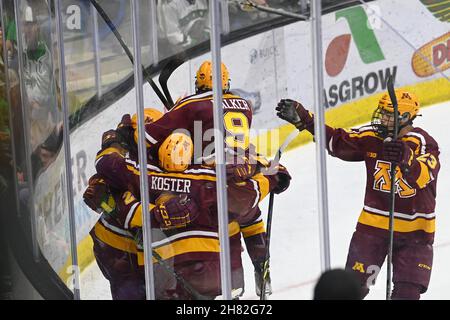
<point>294,113</point>
<point>125,131</point>
<point>125,128</point>
<point>399,153</point>
<point>98,196</point>
<point>259,269</point>
<point>238,172</point>
<point>175,212</point>
<point>109,138</point>
<point>284,180</point>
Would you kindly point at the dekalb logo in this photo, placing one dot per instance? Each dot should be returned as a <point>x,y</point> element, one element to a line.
<point>432,57</point>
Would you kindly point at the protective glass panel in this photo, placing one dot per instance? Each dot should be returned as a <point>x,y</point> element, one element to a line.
<point>40,160</point>
<point>363,45</point>
<point>265,64</point>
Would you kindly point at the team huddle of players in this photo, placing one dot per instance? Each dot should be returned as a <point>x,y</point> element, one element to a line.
<point>182,193</point>
<point>183,206</point>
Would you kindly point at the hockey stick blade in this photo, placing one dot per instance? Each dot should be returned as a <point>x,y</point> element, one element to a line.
<point>165,74</point>
<point>272,169</point>
<point>391,91</point>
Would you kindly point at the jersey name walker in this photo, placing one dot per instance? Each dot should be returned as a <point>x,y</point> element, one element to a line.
<point>194,115</point>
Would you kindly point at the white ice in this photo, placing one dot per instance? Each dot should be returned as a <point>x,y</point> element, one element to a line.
<point>295,248</point>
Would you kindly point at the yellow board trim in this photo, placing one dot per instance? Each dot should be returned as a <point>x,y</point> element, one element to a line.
<point>349,115</point>
<point>85,258</point>
<point>254,229</point>
<point>382,222</point>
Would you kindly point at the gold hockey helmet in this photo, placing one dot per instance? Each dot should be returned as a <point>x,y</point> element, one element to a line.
<point>175,153</point>
<point>151,115</point>
<point>204,80</point>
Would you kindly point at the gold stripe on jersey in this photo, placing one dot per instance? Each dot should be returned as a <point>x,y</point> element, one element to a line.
<point>233,228</point>
<point>136,220</point>
<point>114,240</point>
<point>185,176</point>
<point>174,175</point>
<point>263,184</point>
<point>183,246</point>
<point>416,141</point>
<point>424,176</point>
<point>191,244</point>
<point>253,229</point>
<point>107,151</point>
<point>225,96</point>
<point>400,225</point>
<point>364,134</point>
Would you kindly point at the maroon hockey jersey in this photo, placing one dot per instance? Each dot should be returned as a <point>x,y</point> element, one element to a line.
<point>194,115</point>
<point>198,240</point>
<point>415,191</point>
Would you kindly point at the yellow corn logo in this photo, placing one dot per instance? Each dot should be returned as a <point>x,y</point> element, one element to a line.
<point>359,267</point>
<point>432,56</point>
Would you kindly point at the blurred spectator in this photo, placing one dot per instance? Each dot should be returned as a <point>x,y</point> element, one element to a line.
<point>184,22</point>
<point>38,77</point>
<point>338,284</point>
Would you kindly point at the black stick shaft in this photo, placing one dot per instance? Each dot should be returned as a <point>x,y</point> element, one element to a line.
<point>392,194</point>
<point>119,38</point>
<point>266,260</point>
<point>187,286</point>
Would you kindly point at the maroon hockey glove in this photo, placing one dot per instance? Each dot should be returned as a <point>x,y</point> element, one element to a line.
<point>294,113</point>
<point>98,196</point>
<point>398,152</point>
<point>284,180</point>
<point>238,172</point>
<point>109,138</point>
<point>126,131</point>
<point>176,212</point>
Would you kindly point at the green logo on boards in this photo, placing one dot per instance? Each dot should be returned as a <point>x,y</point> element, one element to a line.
<point>363,36</point>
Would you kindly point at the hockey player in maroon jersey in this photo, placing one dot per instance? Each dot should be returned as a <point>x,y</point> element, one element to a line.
<point>416,156</point>
<point>115,248</point>
<point>118,167</point>
<point>193,115</point>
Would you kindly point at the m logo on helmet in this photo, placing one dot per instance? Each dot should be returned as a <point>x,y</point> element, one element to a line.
<point>204,81</point>
<point>406,95</point>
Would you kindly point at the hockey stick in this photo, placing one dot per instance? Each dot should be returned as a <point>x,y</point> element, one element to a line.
<point>187,286</point>
<point>165,74</point>
<point>171,271</point>
<point>268,9</point>
<point>391,91</point>
<point>275,161</point>
<point>114,30</point>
